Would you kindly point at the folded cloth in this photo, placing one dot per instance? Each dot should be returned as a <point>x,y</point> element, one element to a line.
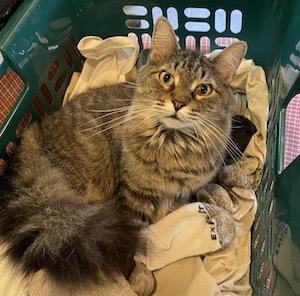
<point>180,235</point>
<point>175,241</point>
<point>251,79</point>
<point>186,277</point>
<point>107,61</point>
<point>42,284</point>
<point>12,282</point>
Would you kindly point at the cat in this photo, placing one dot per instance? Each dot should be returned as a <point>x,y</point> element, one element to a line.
<point>87,177</point>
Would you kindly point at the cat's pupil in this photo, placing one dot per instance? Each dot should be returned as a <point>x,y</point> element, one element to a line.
<point>204,89</point>
<point>167,77</point>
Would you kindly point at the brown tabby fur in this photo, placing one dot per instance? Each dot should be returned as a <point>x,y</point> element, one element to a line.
<point>86,175</point>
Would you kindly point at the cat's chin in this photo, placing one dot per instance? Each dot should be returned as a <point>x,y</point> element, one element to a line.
<point>172,122</point>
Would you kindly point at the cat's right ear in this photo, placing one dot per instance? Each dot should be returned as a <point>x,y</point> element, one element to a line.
<point>164,41</point>
<point>228,61</point>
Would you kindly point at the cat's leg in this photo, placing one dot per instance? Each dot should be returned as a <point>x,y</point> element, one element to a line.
<point>224,223</point>
<point>141,280</point>
<point>215,194</point>
<point>220,192</point>
<point>232,176</point>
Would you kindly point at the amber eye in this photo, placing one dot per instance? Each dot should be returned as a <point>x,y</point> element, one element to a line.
<point>203,90</point>
<point>166,78</point>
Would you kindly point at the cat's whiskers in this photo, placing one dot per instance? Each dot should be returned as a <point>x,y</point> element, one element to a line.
<point>204,130</point>
<point>135,126</point>
<point>110,112</point>
<point>107,112</point>
<point>125,119</point>
<point>231,145</point>
<point>98,126</point>
<point>191,132</point>
<point>112,123</point>
<point>225,141</point>
<point>201,141</point>
<point>225,145</point>
<point>235,152</point>
<point>235,120</point>
<point>129,84</point>
<point>141,122</point>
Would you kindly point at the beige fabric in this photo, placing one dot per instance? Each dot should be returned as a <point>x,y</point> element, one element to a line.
<point>186,277</point>
<point>251,79</point>
<point>107,61</point>
<point>229,268</point>
<point>12,282</point>
<point>42,285</point>
<point>184,233</point>
<point>71,86</point>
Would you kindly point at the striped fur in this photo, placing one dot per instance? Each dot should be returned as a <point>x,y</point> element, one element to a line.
<point>114,156</point>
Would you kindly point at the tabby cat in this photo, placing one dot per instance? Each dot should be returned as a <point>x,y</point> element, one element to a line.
<point>86,178</point>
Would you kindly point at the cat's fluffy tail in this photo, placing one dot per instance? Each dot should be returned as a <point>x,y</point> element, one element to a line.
<point>69,238</point>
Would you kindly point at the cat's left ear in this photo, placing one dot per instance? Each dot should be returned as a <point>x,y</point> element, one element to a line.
<point>164,41</point>
<point>228,61</point>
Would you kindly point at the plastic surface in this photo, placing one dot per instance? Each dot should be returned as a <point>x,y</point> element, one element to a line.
<point>38,43</point>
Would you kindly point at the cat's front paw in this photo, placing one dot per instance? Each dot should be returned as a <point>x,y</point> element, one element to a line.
<point>232,176</point>
<point>141,280</point>
<point>215,194</point>
<point>225,226</point>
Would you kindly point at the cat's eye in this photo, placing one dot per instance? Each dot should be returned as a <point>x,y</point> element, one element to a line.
<point>203,90</point>
<point>166,78</point>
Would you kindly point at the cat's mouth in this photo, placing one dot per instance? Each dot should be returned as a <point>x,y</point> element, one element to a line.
<point>175,116</point>
<point>172,121</point>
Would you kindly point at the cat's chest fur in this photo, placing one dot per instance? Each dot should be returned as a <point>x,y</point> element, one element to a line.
<point>163,169</point>
<point>169,169</point>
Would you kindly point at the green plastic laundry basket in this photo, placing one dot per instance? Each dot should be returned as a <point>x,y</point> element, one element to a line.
<point>39,45</point>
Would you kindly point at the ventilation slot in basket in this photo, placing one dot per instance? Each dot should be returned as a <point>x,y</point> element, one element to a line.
<point>46,93</point>
<point>38,107</point>
<point>292,133</point>
<point>11,87</point>
<point>23,123</point>
<point>194,20</point>
<point>53,70</point>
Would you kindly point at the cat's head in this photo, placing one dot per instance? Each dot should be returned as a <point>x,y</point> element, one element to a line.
<point>181,89</point>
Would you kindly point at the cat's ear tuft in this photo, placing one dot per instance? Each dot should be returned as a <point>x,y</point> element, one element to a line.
<point>164,41</point>
<point>228,61</point>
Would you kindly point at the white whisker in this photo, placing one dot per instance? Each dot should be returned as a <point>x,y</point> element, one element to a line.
<point>109,112</point>
<point>107,125</point>
<point>120,109</point>
<point>201,141</point>
<point>104,123</point>
<point>112,126</point>
<point>130,82</point>
<point>130,86</point>
<point>147,118</point>
<point>232,148</point>
<point>233,151</point>
<point>203,130</point>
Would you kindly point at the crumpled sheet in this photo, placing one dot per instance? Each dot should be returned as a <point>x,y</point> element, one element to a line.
<point>182,272</point>
<point>107,61</point>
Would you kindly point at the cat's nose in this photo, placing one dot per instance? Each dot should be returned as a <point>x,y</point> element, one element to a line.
<point>178,105</point>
